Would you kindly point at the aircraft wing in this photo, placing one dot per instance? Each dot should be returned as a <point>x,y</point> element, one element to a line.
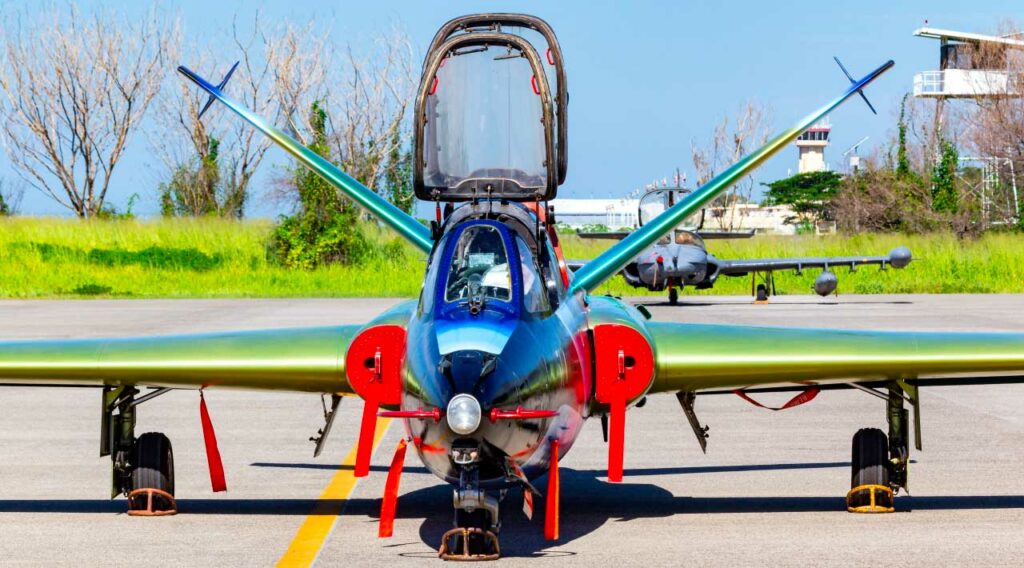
<point>746,266</point>
<point>610,235</point>
<point>694,357</point>
<point>725,234</point>
<point>303,359</point>
<point>619,235</point>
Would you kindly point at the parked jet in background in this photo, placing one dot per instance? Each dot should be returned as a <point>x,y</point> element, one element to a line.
<point>681,258</point>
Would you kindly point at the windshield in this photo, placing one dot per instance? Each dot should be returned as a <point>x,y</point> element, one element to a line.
<point>484,122</point>
<point>688,238</point>
<point>479,266</point>
<point>655,202</point>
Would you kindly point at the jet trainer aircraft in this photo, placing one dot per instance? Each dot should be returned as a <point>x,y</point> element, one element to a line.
<point>681,259</point>
<point>494,369</point>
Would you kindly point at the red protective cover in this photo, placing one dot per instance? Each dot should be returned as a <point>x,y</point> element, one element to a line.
<point>390,501</point>
<point>551,505</point>
<point>373,366</point>
<point>624,369</point>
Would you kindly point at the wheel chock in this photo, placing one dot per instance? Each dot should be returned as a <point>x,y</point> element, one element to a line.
<point>879,499</point>
<point>151,503</point>
<point>463,541</point>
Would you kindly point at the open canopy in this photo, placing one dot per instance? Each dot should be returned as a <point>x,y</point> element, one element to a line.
<point>490,112</point>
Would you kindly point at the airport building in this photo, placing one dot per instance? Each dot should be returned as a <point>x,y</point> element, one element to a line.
<point>963,72</point>
<point>612,213</point>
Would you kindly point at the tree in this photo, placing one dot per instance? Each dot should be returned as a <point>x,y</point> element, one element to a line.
<point>74,90</point>
<point>398,175</point>
<point>902,161</point>
<point>730,141</point>
<point>993,126</point>
<point>945,195</point>
<point>326,228</point>
<point>10,198</point>
<point>810,195</point>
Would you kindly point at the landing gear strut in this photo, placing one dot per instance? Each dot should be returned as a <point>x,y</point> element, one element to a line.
<point>143,467</point>
<point>880,462</point>
<point>475,536</point>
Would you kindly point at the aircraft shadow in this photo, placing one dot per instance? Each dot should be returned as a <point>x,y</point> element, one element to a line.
<point>685,304</point>
<point>588,502</point>
<point>339,467</point>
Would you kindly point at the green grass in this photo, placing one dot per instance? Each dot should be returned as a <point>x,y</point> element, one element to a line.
<point>213,258</point>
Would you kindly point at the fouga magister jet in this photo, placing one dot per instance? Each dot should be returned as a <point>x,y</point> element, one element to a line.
<point>494,369</point>
<point>680,258</point>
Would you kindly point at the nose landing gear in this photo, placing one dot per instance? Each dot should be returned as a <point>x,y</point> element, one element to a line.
<point>475,536</point>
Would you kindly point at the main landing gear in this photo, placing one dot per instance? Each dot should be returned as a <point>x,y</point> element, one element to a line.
<point>143,467</point>
<point>673,295</point>
<point>880,462</point>
<point>764,288</point>
<point>475,536</point>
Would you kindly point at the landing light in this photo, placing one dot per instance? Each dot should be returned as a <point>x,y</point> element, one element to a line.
<point>463,414</point>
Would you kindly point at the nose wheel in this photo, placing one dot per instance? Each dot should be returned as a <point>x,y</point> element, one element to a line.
<point>673,295</point>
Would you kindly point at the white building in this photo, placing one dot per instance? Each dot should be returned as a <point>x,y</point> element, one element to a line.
<point>961,73</point>
<point>612,213</point>
<point>746,216</point>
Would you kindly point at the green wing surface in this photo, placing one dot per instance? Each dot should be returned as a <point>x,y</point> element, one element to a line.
<point>303,359</point>
<point>697,356</point>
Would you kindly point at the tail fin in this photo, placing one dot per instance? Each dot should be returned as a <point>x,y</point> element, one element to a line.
<point>220,87</point>
<point>854,82</point>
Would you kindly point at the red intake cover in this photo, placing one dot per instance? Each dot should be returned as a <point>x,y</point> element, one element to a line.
<point>623,362</point>
<point>373,365</point>
<point>374,361</point>
<point>624,369</point>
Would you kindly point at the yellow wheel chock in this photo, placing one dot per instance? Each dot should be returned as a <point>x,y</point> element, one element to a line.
<point>881,499</point>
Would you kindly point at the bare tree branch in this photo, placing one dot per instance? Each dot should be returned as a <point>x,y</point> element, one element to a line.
<point>74,90</point>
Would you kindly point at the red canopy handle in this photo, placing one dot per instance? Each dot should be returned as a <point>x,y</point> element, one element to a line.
<point>533,83</point>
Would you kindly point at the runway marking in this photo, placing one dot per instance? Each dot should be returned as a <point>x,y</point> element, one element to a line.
<point>306,544</point>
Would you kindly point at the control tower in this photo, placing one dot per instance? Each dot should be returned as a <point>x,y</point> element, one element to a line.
<point>811,145</point>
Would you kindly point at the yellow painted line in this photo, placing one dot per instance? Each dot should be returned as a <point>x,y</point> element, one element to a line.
<point>318,524</point>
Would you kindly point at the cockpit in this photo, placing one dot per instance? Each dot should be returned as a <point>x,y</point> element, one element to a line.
<point>487,265</point>
<point>479,267</point>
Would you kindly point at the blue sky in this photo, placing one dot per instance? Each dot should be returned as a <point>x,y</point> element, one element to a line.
<point>645,78</point>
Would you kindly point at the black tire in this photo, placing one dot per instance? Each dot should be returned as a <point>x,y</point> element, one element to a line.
<point>153,467</point>
<point>673,296</point>
<point>870,466</point>
<point>762,293</point>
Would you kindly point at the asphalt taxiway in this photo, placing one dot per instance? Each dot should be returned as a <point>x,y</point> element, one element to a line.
<point>769,491</point>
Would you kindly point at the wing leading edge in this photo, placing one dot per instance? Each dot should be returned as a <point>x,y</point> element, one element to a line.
<point>900,257</point>
<point>692,357</point>
<point>304,359</point>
